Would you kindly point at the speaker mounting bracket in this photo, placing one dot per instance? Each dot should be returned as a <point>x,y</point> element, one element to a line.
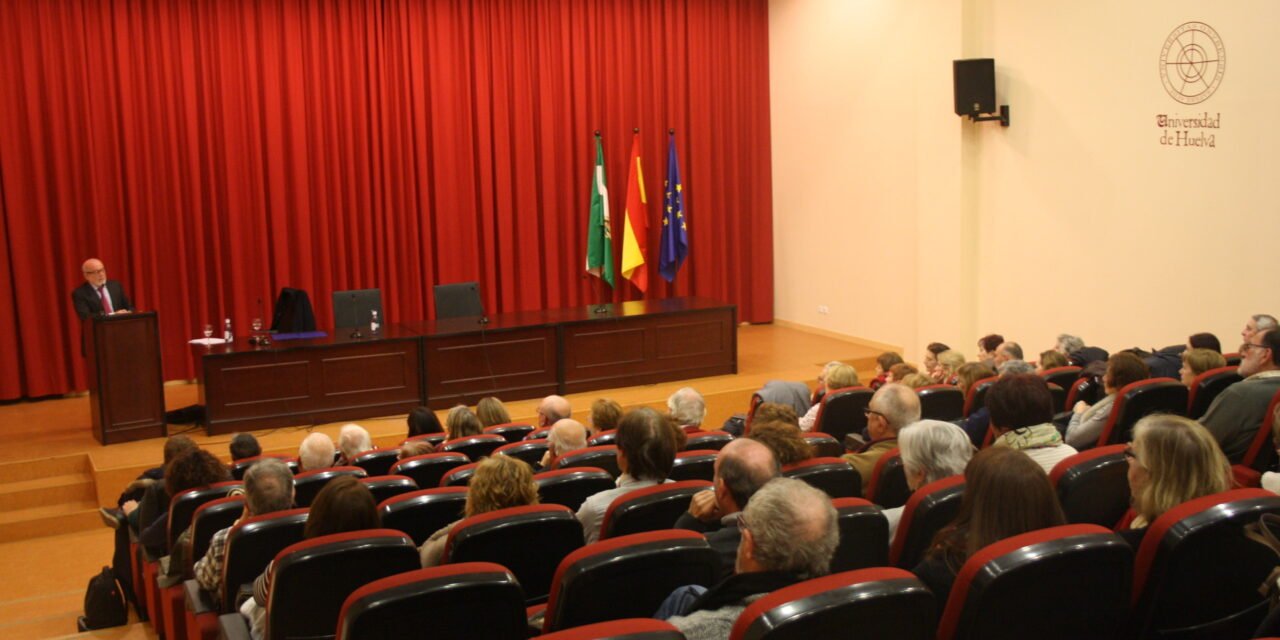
<point>1003,117</point>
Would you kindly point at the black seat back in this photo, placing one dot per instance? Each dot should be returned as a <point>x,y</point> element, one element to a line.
<point>572,486</point>
<point>421,513</point>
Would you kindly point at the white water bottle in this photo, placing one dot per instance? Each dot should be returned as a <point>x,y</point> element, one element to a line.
<point>374,325</point>
<point>226,332</point>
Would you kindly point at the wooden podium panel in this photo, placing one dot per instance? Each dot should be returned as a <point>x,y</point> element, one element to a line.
<point>308,382</point>
<point>512,364</point>
<point>126,385</point>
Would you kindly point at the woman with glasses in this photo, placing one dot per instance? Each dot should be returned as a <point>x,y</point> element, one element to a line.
<point>1171,460</point>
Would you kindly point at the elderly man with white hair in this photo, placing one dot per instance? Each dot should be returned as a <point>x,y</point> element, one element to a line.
<point>565,436</point>
<point>315,452</point>
<point>553,409</point>
<point>688,409</point>
<point>353,440</point>
<point>931,450</point>
<point>893,407</point>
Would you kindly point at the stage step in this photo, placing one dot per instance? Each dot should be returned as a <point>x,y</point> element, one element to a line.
<point>66,488</point>
<point>47,496</point>
<point>67,517</point>
<point>44,467</point>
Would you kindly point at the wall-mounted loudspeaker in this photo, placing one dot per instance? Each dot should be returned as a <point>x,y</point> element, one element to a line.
<point>975,86</point>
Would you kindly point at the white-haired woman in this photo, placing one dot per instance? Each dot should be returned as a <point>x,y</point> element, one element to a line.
<point>931,450</point>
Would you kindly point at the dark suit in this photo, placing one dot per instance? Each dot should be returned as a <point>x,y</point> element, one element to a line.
<point>88,304</point>
<point>723,539</point>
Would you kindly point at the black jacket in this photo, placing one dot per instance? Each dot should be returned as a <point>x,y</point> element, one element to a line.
<point>88,304</point>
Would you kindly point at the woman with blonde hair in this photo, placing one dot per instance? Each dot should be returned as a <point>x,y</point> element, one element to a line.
<point>1198,361</point>
<point>499,482</point>
<point>1172,460</point>
<point>491,411</point>
<point>948,369</point>
<point>837,377</point>
<point>461,423</point>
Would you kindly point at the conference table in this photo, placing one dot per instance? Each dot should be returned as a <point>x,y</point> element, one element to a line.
<point>441,363</point>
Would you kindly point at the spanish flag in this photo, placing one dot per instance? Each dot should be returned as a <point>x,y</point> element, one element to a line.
<point>635,230</point>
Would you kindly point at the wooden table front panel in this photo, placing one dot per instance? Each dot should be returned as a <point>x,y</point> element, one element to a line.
<point>512,365</point>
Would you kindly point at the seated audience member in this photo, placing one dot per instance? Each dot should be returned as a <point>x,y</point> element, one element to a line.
<point>976,424</point>
<point>931,354</point>
<point>315,452</point>
<point>884,362</point>
<point>553,409</point>
<point>1050,359</point>
<point>193,469</point>
<point>742,468</point>
<point>244,445</point>
<point>1005,352</point>
<point>646,453</point>
<point>893,407</point>
<point>605,414</point>
<point>1068,344</point>
<point>499,482</point>
<point>917,380</point>
<point>1015,367</point>
<point>353,440</point>
<point>789,534</point>
<point>565,436</point>
<point>688,409</point>
<point>1172,460</point>
<point>1021,414</point>
<point>1255,325</point>
<point>838,377</point>
<point>1162,363</point>
<point>783,439</point>
<point>948,369</point>
<point>987,346</point>
<point>1204,341</point>
<point>268,487</point>
<point>423,421</point>
<point>491,411</point>
<point>1237,412</point>
<point>899,371</point>
<point>822,381</point>
<point>344,504</point>
<point>931,450</point>
<point>461,423</point>
<point>1006,494</point>
<point>1198,361</point>
<point>415,448</point>
<point>1087,421</point>
<point>776,412</point>
<point>794,394</point>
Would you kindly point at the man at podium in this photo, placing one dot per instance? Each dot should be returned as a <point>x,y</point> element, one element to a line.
<point>98,295</point>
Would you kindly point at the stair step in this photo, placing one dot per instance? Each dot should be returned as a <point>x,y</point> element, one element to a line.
<point>23,524</point>
<point>44,468</point>
<point>71,487</point>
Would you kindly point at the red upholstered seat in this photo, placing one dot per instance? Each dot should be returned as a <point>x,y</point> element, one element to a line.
<point>941,402</point>
<point>530,541</point>
<point>242,465</point>
<point>832,475</point>
<point>1064,377</point>
<point>434,438</point>
<point>888,487</point>
<point>421,513</point>
<point>649,509</point>
<point>756,401</point>
<point>459,476</point>
<point>1070,581</point>
<point>538,434</point>
<point>1261,454</point>
<point>880,602</point>
<point>474,447</point>
<point>708,440</point>
<point>1139,399</point>
<point>510,431</point>
<point>842,412</point>
<point>428,469</point>
<point>451,601</point>
<point>602,457</point>
<point>307,485</point>
<point>1093,486</point>
<point>864,535</point>
<point>210,518</point>
<point>183,506</point>
<point>385,486</point>
<point>1196,575</point>
<point>572,486</point>
<point>824,445</point>
<point>531,451</point>
<point>628,629</point>
<point>1206,387</point>
<point>694,465</point>
<point>1087,389</point>
<point>603,438</point>
<point>646,567</point>
<point>976,397</point>
<point>377,462</point>
<point>928,510</point>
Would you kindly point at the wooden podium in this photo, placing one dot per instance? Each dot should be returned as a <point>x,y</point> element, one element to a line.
<point>126,388</point>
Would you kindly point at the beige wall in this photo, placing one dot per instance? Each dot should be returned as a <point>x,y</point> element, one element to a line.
<point>912,225</point>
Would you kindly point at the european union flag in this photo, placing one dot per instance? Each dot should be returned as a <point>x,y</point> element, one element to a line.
<point>675,223</point>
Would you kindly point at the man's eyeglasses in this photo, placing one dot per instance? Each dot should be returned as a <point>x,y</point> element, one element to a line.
<point>872,412</point>
<point>1244,348</point>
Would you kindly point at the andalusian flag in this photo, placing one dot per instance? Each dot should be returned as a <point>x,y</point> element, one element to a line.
<point>636,229</point>
<point>599,238</point>
<point>674,246</point>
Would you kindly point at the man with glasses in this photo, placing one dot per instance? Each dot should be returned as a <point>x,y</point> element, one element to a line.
<point>893,407</point>
<point>98,295</point>
<point>1237,412</point>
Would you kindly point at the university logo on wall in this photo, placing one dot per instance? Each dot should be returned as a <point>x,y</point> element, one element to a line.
<point>1192,63</point>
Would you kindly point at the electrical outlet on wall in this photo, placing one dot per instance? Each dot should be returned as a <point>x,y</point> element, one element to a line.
<point>823,309</point>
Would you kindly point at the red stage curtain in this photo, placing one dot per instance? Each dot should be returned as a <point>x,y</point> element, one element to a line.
<point>213,152</point>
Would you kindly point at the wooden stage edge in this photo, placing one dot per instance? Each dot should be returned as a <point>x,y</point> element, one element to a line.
<point>777,351</point>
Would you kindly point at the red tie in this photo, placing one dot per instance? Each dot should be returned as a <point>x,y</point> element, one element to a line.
<point>106,300</point>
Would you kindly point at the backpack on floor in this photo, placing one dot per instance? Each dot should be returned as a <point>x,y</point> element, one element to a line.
<point>104,604</point>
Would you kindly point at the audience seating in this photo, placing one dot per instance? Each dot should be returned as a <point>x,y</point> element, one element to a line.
<point>708,440</point>
<point>649,509</point>
<point>1058,394</point>
<point>1087,390</point>
<point>1139,399</point>
<point>1233,359</point>
<point>941,402</point>
<point>626,577</point>
<point>474,447</point>
<point>1261,455</point>
<point>756,401</point>
<point>421,513</point>
<point>383,487</point>
<point>428,469</point>
<point>1064,377</point>
<point>1070,581</point>
<point>824,444</point>
<point>307,485</point>
<point>1196,575</point>
<point>510,431</point>
<point>888,487</point>
<point>434,438</point>
<point>311,579</point>
<point>209,517</point>
<point>603,438</point>
<point>694,465</point>
<point>603,457</point>
<point>976,398</point>
<point>530,541</point>
<point>1206,387</point>
<point>1093,486</point>
<point>531,451</point>
<point>377,462</point>
<point>183,506</point>
<point>242,465</point>
<point>864,535</point>
<point>843,411</point>
<point>571,487</point>
<point>879,602</point>
<point>832,475</point>
<point>540,433</point>
<point>628,629</point>
<point>459,476</point>
<point>929,509</point>
<point>454,602</point>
